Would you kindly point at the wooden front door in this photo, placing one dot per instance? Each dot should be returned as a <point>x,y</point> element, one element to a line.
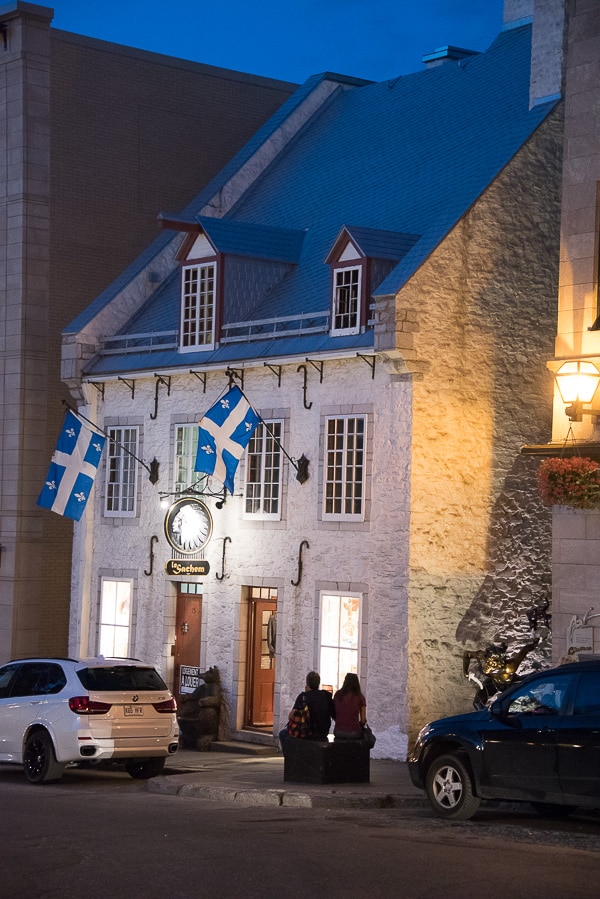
<point>262,632</point>
<point>188,629</point>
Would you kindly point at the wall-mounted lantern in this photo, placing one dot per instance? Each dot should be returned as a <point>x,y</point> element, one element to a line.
<point>577,382</point>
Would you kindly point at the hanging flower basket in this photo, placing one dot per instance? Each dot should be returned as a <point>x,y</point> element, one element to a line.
<point>571,482</point>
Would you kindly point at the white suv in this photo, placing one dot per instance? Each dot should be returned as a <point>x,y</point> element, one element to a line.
<point>59,712</point>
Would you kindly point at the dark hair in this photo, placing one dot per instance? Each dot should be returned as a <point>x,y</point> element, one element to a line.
<point>351,685</point>
<point>313,680</point>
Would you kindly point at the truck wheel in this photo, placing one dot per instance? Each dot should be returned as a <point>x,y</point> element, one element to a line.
<point>449,789</point>
<point>39,761</point>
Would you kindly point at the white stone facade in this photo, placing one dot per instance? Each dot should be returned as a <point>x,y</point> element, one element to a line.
<point>365,558</point>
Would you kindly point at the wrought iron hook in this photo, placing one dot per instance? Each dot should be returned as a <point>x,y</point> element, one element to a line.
<point>305,370</point>
<point>302,545</point>
<point>153,540</point>
<point>220,577</point>
<point>160,380</point>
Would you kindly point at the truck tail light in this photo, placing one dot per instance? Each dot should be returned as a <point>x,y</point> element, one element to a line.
<point>168,705</point>
<point>83,705</point>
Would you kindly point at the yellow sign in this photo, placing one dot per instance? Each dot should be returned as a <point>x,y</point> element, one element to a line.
<point>185,568</point>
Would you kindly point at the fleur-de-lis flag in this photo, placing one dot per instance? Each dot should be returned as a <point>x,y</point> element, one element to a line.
<point>72,469</point>
<point>225,432</point>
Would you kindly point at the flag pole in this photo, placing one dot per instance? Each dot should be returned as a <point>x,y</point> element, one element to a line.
<point>152,469</point>
<point>301,464</point>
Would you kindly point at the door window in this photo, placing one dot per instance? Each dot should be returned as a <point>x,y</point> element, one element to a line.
<point>587,700</point>
<point>541,697</point>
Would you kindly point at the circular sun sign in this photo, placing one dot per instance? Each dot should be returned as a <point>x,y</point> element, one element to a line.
<point>188,525</point>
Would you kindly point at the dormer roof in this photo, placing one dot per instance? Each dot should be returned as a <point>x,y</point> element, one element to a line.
<point>372,243</point>
<point>235,238</point>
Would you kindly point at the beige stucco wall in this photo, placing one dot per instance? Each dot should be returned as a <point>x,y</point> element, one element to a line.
<point>480,539</point>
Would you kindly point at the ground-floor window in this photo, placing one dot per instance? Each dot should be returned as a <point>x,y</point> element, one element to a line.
<point>340,629</point>
<point>115,618</point>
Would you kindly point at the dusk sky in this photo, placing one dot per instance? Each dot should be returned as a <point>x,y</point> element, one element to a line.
<point>373,39</point>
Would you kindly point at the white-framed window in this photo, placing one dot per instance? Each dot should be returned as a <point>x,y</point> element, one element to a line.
<point>340,637</point>
<point>186,448</point>
<point>263,472</point>
<point>115,618</point>
<point>184,459</point>
<point>345,318</point>
<point>344,467</point>
<point>121,471</point>
<point>198,293</point>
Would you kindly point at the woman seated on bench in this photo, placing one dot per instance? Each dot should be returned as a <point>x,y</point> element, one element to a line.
<point>350,710</point>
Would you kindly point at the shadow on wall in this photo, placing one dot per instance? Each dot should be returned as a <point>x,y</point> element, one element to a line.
<point>520,577</point>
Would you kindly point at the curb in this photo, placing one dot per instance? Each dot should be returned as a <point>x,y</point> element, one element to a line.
<point>167,786</point>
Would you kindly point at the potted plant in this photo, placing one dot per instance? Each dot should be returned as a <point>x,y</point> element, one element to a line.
<point>573,481</point>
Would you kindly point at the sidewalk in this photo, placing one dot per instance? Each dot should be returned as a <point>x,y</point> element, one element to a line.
<point>227,775</point>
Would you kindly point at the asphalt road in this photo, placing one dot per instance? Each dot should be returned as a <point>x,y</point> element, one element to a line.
<point>100,834</point>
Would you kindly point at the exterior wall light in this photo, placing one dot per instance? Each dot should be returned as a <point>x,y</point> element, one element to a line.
<point>577,383</point>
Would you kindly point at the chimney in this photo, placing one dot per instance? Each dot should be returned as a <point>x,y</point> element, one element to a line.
<point>445,55</point>
<point>547,44</point>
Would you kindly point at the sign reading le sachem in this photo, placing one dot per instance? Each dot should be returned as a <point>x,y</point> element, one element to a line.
<point>185,568</point>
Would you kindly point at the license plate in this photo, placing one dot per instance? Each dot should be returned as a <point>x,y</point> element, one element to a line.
<point>131,710</point>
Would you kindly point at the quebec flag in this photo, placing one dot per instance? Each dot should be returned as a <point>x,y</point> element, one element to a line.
<point>225,432</point>
<point>72,469</point>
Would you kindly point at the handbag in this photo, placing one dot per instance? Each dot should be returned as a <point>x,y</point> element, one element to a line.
<point>299,723</point>
<point>368,736</point>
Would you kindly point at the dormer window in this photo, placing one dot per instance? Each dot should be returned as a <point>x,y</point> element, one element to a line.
<point>345,317</point>
<point>360,260</point>
<point>198,293</point>
<point>349,277</point>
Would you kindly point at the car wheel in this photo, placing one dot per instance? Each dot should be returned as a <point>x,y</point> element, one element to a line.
<point>39,761</point>
<point>142,769</point>
<point>449,789</point>
<point>553,809</point>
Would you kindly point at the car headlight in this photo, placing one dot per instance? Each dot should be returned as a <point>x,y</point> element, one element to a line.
<point>424,732</point>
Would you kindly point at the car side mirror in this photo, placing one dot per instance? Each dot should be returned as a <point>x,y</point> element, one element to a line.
<point>500,711</point>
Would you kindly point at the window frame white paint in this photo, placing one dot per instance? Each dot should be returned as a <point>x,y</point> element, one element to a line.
<point>327,480</point>
<point>197,316</point>
<point>355,317</point>
<point>268,443</point>
<point>185,460</point>
<point>128,468</point>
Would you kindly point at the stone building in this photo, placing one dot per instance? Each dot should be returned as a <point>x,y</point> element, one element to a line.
<point>377,271</point>
<point>95,139</point>
<point>576,531</point>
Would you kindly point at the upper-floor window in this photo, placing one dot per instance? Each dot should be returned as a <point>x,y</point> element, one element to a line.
<point>345,318</point>
<point>263,471</point>
<point>121,472</point>
<point>198,289</point>
<point>186,448</point>
<point>344,467</point>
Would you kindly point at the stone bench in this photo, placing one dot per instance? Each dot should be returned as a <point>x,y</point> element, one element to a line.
<point>315,762</point>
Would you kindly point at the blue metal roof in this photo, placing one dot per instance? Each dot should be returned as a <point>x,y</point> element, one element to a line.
<point>405,158</point>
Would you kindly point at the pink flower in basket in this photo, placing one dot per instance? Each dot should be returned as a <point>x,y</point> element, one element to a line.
<point>571,482</point>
